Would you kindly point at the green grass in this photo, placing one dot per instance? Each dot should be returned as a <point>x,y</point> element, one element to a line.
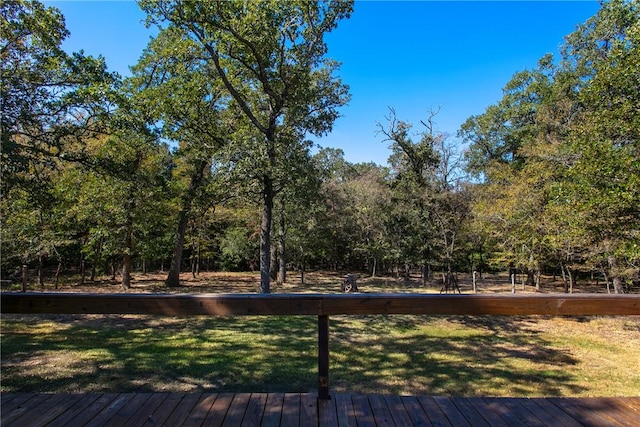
<point>469,356</point>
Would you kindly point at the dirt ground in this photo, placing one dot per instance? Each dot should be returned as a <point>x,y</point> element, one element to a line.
<point>314,282</point>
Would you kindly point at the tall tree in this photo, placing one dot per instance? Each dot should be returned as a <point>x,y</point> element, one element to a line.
<point>603,148</point>
<point>50,101</point>
<point>569,179</point>
<point>182,95</point>
<point>270,57</point>
<point>413,168</point>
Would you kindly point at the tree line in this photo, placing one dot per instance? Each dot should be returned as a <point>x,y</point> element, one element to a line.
<point>201,159</point>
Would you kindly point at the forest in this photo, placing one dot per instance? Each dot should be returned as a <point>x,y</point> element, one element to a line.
<point>201,159</point>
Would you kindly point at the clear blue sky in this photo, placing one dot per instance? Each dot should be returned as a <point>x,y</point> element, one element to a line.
<point>414,56</point>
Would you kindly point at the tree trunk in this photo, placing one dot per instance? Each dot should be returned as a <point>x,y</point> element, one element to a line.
<point>564,278</point>
<point>41,270</point>
<point>24,277</point>
<point>173,277</point>
<point>83,269</point>
<point>58,270</point>
<point>96,258</point>
<point>615,275</point>
<point>126,271</point>
<point>265,235</point>
<point>126,259</point>
<point>282,260</point>
<point>113,270</point>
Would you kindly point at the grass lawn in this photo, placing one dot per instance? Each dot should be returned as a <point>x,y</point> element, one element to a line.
<point>457,355</point>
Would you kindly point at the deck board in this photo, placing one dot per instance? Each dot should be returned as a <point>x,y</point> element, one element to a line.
<point>304,409</point>
<point>219,409</point>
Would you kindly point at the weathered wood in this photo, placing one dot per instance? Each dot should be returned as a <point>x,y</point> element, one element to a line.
<point>218,411</point>
<point>308,409</point>
<point>272,410</point>
<point>305,409</point>
<point>290,410</point>
<point>162,304</point>
<point>323,357</point>
<point>255,410</point>
<point>497,305</point>
<point>416,412</point>
<point>320,305</point>
<point>142,416</point>
<point>327,412</point>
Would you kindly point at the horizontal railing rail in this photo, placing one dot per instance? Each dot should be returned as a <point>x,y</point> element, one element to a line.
<point>322,306</point>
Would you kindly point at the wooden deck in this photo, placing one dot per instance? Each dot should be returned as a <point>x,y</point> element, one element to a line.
<point>296,409</point>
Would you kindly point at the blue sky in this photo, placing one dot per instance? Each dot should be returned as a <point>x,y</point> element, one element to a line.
<point>414,56</point>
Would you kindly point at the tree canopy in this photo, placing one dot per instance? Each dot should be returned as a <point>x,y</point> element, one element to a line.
<point>202,159</point>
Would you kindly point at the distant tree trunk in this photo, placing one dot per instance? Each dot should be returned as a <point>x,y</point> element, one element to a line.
<point>606,279</point>
<point>426,273</point>
<point>57,277</point>
<point>83,269</point>
<point>126,259</point>
<point>40,270</point>
<point>126,271</point>
<point>193,258</point>
<point>24,277</point>
<point>198,246</point>
<point>82,263</point>
<point>531,276</point>
<point>282,261</point>
<point>173,277</point>
<point>564,278</point>
<point>265,235</point>
<point>571,280</point>
<point>96,258</point>
<point>113,270</point>
<point>615,275</point>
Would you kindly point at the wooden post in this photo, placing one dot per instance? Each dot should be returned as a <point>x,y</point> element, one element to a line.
<point>323,357</point>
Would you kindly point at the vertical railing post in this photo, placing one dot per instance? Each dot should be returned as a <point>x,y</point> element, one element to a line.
<point>323,357</point>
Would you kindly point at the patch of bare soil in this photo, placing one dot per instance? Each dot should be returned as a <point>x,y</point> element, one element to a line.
<point>316,282</point>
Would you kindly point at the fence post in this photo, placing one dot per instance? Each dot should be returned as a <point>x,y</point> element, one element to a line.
<point>323,357</point>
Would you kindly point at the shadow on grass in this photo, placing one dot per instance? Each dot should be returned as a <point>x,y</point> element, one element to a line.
<point>462,356</point>
<point>394,354</point>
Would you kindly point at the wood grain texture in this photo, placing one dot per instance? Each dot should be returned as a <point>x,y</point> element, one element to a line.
<point>320,304</point>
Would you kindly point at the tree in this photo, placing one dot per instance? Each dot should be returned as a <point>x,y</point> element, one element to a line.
<point>415,186</point>
<point>181,94</point>
<point>567,186</point>
<point>50,101</point>
<point>270,58</point>
<point>602,174</point>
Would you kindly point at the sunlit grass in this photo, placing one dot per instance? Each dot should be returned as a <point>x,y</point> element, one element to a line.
<point>482,356</point>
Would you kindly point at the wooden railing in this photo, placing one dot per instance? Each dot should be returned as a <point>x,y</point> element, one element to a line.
<point>322,306</point>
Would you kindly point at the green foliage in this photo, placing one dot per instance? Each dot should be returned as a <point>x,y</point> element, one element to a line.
<point>214,121</point>
<point>568,192</point>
